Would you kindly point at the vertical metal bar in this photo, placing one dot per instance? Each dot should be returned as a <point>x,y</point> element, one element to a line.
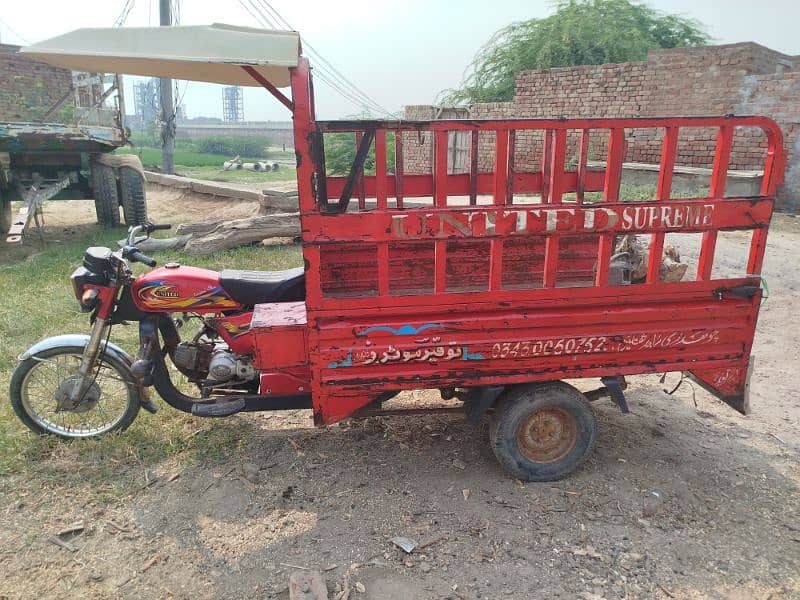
<point>362,201</point>
<point>547,144</point>
<point>380,170</point>
<point>440,168</point>
<point>550,261</point>
<point>669,146</point>
<point>383,268</point>
<point>398,167</point>
<point>557,168</point>
<point>500,166</point>
<point>583,155</point>
<point>616,152</point>
<point>719,175</point>
<point>473,168</point>
<point>440,266</point>
<point>758,245</point>
<point>512,140</point>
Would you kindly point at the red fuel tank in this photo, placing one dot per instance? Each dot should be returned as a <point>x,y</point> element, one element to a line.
<point>181,289</point>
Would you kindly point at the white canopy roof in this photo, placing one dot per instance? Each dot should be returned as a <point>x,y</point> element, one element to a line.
<point>213,53</point>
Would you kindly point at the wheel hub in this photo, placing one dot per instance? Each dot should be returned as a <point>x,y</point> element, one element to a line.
<point>87,402</point>
<point>547,435</point>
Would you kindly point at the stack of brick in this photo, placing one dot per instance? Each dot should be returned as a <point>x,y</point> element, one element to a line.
<point>742,79</point>
<point>30,87</point>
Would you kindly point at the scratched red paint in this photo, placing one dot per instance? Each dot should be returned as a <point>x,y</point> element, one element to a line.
<point>452,291</point>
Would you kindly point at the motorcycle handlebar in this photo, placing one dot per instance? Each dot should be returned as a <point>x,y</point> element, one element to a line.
<point>137,256</point>
<point>154,227</point>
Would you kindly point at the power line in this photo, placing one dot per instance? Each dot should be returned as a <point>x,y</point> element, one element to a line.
<point>12,30</point>
<point>324,61</point>
<point>266,15</point>
<point>123,15</point>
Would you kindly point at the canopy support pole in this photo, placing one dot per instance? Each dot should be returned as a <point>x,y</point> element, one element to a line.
<point>270,88</point>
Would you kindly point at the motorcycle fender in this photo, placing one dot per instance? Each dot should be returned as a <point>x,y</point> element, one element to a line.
<point>80,340</point>
<point>74,339</point>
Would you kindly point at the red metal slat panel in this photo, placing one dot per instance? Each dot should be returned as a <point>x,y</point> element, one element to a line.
<point>360,190</point>
<point>380,169</point>
<point>669,147</point>
<point>512,141</point>
<point>501,167</point>
<point>421,186</point>
<point>473,168</point>
<point>383,269</point>
<point>550,261</point>
<point>303,118</point>
<point>719,175</point>
<point>547,149</point>
<point>496,265</point>
<point>616,152</point>
<point>440,168</point>
<point>398,167</point>
<point>440,266</point>
<point>758,245</point>
<point>687,215</point>
<point>557,167</point>
<point>583,154</point>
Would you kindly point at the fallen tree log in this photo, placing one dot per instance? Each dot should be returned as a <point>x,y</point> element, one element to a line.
<point>204,238</point>
<point>275,200</point>
<point>240,232</point>
<point>156,244</point>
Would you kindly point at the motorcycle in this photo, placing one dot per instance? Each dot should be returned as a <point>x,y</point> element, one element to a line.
<point>79,386</point>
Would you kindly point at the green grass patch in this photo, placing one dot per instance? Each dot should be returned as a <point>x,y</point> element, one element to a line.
<point>216,173</point>
<point>38,302</point>
<point>184,158</point>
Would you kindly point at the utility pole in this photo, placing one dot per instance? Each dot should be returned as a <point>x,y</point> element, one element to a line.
<point>167,107</point>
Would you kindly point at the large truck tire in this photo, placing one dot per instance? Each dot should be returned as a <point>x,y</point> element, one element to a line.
<point>106,199</point>
<point>132,196</point>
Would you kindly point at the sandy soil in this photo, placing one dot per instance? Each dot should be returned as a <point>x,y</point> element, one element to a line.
<point>683,498</point>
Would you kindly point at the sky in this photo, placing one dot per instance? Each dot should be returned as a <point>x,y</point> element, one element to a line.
<point>397,53</point>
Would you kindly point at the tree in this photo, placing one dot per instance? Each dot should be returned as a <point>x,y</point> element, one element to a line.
<point>580,32</point>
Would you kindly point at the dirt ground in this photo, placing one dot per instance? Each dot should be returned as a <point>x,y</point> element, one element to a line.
<point>683,498</point>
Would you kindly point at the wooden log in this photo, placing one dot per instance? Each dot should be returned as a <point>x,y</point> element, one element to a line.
<point>274,200</point>
<point>240,232</point>
<point>156,244</point>
<point>195,228</point>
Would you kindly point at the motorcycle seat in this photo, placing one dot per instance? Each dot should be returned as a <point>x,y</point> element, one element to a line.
<point>255,287</point>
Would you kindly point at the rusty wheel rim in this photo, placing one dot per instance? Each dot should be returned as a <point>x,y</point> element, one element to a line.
<point>547,435</point>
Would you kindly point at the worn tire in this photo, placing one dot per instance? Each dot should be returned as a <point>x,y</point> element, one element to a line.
<point>106,198</point>
<point>132,196</point>
<point>18,382</point>
<point>542,432</point>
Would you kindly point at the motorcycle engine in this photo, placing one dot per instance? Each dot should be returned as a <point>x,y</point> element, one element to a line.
<point>225,366</point>
<point>201,361</point>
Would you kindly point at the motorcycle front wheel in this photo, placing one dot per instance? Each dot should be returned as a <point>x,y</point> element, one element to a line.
<point>40,389</point>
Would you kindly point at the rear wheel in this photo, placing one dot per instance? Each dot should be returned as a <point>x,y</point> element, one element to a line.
<point>40,395</point>
<point>106,199</point>
<point>132,196</point>
<point>542,432</point>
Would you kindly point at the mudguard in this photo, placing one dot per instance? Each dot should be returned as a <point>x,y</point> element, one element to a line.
<point>74,339</point>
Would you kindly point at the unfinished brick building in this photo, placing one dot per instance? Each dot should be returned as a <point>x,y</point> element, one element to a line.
<point>743,78</point>
<point>30,88</point>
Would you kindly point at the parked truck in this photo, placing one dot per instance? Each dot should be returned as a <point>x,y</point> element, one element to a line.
<point>44,161</point>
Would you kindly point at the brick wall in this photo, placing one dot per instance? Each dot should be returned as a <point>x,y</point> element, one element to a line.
<point>743,78</point>
<point>30,88</point>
